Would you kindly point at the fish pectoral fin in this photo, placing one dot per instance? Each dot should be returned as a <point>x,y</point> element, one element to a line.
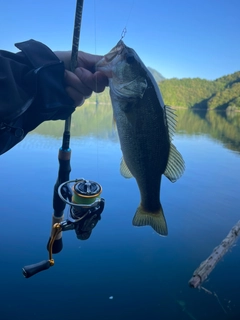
<point>175,166</point>
<point>134,89</point>
<point>155,220</point>
<point>114,126</point>
<point>125,172</point>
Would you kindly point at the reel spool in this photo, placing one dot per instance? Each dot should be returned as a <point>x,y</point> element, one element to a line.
<point>84,194</point>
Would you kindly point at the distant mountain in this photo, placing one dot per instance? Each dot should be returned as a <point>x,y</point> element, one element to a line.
<point>220,94</point>
<point>157,75</point>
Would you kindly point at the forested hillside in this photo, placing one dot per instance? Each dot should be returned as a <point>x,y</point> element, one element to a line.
<point>221,93</point>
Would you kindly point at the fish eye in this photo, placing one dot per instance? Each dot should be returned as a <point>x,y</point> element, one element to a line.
<point>130,59</point>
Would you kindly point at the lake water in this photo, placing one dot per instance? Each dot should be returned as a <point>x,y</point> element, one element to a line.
<point>122,272</point>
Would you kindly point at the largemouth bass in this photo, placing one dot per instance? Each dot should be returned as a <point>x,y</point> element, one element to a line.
<point>145,127</point>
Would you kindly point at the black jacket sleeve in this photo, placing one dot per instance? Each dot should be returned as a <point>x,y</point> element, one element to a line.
<point>31,91</point>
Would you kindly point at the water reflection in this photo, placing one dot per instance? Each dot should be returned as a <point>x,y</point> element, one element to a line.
<point>89,120</point>
<point>221,126</point>
<point>97,120</point>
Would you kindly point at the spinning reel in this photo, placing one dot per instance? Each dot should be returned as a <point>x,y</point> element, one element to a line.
<point>86,206</point>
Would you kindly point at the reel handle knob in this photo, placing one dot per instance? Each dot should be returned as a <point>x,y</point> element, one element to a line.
<point>32,269</point>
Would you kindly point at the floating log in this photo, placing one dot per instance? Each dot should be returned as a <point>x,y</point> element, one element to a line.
<point>206,267</point>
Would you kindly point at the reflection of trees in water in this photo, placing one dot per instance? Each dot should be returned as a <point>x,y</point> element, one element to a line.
<point>97,120</point>
<point>88,120</point>
<point>222,126</point>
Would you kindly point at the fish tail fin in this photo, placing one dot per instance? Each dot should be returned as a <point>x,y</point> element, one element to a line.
<point>155,220</point>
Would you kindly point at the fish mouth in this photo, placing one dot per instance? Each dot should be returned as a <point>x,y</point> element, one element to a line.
<point>111,57</point>
<point>117,50</point>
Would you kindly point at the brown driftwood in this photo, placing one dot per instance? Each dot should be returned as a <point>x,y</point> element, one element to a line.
<point>206,267</point>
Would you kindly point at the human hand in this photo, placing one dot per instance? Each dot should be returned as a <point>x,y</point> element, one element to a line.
<point>81,83</point>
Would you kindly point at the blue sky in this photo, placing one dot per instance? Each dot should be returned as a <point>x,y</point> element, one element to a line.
<point>187,38</point>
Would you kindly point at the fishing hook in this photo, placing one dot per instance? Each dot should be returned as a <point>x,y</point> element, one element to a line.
<point>123,33</point>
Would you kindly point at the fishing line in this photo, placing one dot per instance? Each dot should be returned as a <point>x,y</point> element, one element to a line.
<point>95,26</point>
<point>124,31</point>
<point>128,18</point>
<point>95,36</point>
<point>96,84</point>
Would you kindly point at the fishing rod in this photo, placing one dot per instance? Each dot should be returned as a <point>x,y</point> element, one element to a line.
<point>83,196</point>
<point>64,154</point>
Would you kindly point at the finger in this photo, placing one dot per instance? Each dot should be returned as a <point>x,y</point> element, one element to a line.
<point>100,81</point>
<point>88,61</point>
<point>95,82</point>
<point>76,96</point>
<point>72,80</point>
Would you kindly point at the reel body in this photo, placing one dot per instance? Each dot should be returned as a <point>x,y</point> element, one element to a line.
<point>86,206</point>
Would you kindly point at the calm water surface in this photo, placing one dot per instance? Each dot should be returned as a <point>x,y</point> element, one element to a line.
<point>146,275</point>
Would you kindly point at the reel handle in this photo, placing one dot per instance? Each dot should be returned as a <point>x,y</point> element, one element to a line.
<point>32,269</point>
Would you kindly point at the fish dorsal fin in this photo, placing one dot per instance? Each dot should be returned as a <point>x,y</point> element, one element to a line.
<point>175,166</point>
<point>171,121</point>
<point>125,172</point>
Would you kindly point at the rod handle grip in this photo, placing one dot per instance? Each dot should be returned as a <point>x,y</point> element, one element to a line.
<point>32,269</point>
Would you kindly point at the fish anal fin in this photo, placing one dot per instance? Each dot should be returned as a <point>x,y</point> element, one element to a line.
<point>156,220</point>
<point>125,172</point>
